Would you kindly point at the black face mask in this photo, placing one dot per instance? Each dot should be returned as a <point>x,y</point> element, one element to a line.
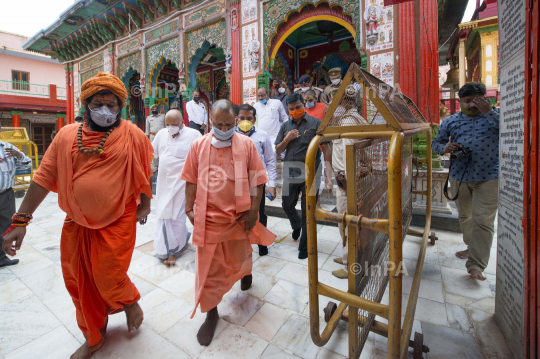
<point>196,98</point>
<point>154,112</point>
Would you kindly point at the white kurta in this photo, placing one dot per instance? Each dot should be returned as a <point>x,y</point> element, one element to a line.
<point>171,230</point>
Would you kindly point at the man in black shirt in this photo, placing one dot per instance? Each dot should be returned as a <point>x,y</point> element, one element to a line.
<point>294,136</point>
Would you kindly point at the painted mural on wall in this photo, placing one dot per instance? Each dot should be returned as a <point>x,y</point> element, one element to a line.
<point>161,31</point>
<point>208,11</point>
<point>379,20</point>
<point>131,61</point>
<point>249,11</point>
<point>168,49</point>
<point>126,46</point>
<point>215,34</point>
<point>221,89</point>
<point>108,62</point>
<point>90,73</point>
<point>382,66</point>
<point>250,91</point>
<point>250,49</point>
<point>98,59</point>
<point>203,82</point>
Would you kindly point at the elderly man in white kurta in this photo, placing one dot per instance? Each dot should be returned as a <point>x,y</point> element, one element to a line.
<point>171,146</point>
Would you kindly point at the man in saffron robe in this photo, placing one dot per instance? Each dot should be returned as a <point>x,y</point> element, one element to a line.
<point>171,146</point>
<point>100,170</point>
<point>224,183</point>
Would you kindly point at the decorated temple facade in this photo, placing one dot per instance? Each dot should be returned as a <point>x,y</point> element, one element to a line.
<point>164,49</point>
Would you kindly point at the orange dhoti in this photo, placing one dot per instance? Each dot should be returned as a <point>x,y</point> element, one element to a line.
<point>224,178</point>
<point>95,264</point>
<point>230,262</point>
<point>99,196</point>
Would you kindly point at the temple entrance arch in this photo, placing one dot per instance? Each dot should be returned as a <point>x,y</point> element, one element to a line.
<point>131,74</point>
<point>164,85</point>
<point>205,56</point>
<point>134,110</point>
<point>206,73</point>
<point>312,40</point>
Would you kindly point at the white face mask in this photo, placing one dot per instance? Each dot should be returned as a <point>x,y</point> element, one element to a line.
<point>173,130</point>
<point>281,90</point>
<point>102,116</point>
<point>304,89</point>
<point>336,81</point>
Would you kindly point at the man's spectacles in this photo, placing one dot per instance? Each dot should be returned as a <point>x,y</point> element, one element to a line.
<point>245,118</point>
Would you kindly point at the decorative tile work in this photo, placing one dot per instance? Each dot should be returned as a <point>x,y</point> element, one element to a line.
<point>215,34</point>
<point>126,46</point>
<point>275,12</point>
<point>186,3</point>
<point>131,61</point>
<point>221,89</point>
<point>86,75</point>
<point>169,49</point>
<point>203,82</point>
<point>91,62</point>
<point>161,31</point>
<point>211,10</point>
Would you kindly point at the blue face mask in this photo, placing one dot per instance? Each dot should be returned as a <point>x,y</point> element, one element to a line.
<point>223,135</point>
<point>310,104</point>
<point>263,101</point>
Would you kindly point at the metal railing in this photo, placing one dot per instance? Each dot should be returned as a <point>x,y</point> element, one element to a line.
<point>23,88</point>
<point>61,93</point>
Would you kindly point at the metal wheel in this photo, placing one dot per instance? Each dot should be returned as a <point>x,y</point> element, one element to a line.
<point>433,238</point>
<point>418,346</point>
<point>329,311</point>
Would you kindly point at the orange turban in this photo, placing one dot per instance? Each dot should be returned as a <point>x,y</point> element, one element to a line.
<point>103,81</point>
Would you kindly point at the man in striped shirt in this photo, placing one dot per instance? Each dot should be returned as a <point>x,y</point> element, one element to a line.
<point>11,160</point>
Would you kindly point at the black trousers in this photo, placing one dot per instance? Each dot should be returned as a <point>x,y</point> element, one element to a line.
<point>263,218</point>
<point>7,209</point>
<point>196,127</point>
<point>288,203</point>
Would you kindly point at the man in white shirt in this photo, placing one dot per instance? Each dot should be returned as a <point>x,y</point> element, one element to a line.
<point>197,115</point>
<point>245,124</point>
<point>271,114</point>
<point>171,146</point>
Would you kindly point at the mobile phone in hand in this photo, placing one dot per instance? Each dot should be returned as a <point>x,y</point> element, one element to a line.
<point>269,196</point>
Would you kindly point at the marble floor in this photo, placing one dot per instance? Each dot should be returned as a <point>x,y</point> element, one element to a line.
<point>270,320</point>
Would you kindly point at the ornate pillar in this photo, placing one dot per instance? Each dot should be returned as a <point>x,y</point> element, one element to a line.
<point>236,52</point>
<point>60,121</point>
<point>419,79</point>
<point>482,62</point>
<point>69,94</point>
<point>407,50</point>
<point>16,118</point>
<point>462,72</point>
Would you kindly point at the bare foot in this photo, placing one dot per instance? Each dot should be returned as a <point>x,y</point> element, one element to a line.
<point>135,317</point>
<point>476,274</point>
<point>83,352</point>
<point>170,261</point>
<point>206,332</point>
<point>463,254</point>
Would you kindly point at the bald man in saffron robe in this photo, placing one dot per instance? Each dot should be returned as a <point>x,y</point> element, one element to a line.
<point>224,183</point>
<point>100,170</point>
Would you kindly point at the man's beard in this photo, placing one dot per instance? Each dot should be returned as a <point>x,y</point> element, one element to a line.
<point>95,127</point>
